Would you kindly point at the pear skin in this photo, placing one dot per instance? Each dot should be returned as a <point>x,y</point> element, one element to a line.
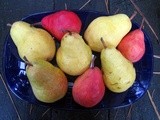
<point>111,28</point>
<point>55,24</point>
<point>74,55</point>
<point>89,89</point>
<point>48,82</point>
<point>32,42</point>
<point>18,30</point>
<point>118,72</point>
<point>132,46</point>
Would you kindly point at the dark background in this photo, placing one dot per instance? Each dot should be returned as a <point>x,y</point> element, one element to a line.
<point>13,10</point>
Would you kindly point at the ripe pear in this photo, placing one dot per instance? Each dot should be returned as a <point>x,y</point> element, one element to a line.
<point>74,55</point>
<point>48,82</point>
<point>89,89</point>
<point>112,28</point>
<point>32,42</point>
<point>118,72</point>
<point>132,46</point>
<point>60,22</point>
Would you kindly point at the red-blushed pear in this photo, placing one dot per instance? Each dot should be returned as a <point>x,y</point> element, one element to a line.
<point>49,83</point>
<point>89,89</point>
<point>61,22</point>
<point>132,46</point>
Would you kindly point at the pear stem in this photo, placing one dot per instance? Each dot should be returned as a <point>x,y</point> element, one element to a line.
<point>70,33</point>
<point>9,25</point>
<point>104,44</point>
<point>92,62</point>
<point>65,31</point>
<point>27,62</point>
<point>142,24</point>
<point>37,23</point>
<point>133,15</point>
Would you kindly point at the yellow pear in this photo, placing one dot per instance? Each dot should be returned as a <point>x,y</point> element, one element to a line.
<point>112,28</point>
<point>32,42</point>
<point>118,72</point>
<point>48,82</point>
<point>74,55</point>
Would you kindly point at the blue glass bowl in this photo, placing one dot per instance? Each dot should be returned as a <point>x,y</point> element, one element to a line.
<point>15,75</point>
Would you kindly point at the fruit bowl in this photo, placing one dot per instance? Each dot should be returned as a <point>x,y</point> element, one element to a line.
<point>15,75</point>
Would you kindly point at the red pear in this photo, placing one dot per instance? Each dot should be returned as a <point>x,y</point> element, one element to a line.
<point>61,22</point>
<point>132,46</point>
<point>88,89</point>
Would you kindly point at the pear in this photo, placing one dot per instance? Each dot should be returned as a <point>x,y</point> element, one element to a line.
<point>48,82</point>
<point>112,28</point>
<point>74,55</point>
<point>118,72</point>
<point>132,46</point>
<point>55,24</point>
<point>32,42</point>
<point>89,89</point>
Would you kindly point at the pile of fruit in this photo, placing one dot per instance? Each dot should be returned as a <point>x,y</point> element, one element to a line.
<point>111,36</point>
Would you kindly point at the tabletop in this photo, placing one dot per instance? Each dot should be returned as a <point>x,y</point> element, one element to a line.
<point>147,108</point>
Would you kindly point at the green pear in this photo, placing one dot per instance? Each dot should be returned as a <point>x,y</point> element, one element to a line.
<point>48,82</point>
<point>32,42</point>
<point>118,72</point>
<point>112,28</point>
<point>74,55</point>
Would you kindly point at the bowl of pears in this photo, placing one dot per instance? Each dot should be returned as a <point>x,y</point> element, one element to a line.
<point>78,60</point>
